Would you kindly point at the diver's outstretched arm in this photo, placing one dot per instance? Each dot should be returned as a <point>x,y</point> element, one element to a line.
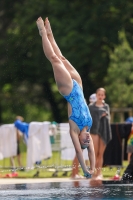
<point>91,154</point>
<point>79,154</point>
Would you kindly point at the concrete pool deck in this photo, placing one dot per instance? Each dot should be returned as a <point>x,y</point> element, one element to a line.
<point>4,181</point>
<point>8,181</point>
<point>36,180</point>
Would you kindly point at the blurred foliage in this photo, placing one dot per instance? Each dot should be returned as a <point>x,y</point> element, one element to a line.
<point>87,33</point>
<point>119,79</point>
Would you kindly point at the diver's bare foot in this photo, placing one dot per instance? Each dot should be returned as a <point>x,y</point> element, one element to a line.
<point>99,177</point>
<point>48,27</point>
<point>40,25</point>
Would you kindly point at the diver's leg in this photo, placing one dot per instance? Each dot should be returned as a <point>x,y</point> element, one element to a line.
<point>62,76</point>
<point>73,72</point>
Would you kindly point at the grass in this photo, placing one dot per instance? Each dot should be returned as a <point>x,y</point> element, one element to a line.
<point>53,167</point>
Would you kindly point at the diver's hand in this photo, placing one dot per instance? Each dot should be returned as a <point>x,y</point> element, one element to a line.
<point>88,174</point>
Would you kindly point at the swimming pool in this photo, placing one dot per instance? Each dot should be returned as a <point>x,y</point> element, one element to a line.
<point>77,190</point>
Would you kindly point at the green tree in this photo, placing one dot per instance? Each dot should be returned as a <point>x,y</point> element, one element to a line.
<point>86,32</point>
<point>119,79</point>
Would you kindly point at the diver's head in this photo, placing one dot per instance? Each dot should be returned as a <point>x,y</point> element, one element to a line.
<point>84,139</point>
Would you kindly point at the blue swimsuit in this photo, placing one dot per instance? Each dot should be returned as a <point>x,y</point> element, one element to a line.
<point>80,111</point>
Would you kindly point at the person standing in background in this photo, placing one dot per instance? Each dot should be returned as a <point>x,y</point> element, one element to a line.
<point>21,130</point>
<point>92,98</point>
<point>22,126</point>
<point>130,144</point>
<point>100,130</point>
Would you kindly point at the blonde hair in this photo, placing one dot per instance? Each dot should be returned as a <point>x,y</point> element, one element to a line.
<point>20,118</point>
<point>101,89</point>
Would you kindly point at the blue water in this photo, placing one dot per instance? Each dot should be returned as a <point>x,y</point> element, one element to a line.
<point>66,191</point>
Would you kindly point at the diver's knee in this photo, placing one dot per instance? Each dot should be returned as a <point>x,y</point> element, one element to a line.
<point>62,58</point>
<point>55,59</point>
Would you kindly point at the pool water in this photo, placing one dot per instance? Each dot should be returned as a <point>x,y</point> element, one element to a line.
<point>78,190</point>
